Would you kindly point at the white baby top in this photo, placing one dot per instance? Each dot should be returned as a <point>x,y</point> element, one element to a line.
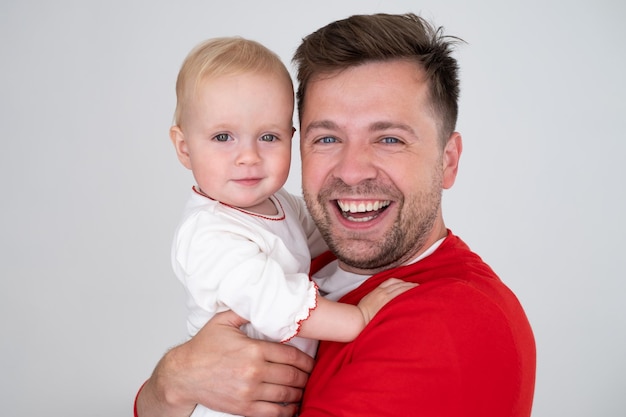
<point>252,264</point>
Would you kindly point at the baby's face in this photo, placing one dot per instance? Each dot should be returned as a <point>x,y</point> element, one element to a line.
<point>236,137</point>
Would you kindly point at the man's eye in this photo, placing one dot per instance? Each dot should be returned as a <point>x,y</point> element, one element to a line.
<point>390,140</point>
<point>327,139</point>
<point>268,138</point>
<point>222,137</point>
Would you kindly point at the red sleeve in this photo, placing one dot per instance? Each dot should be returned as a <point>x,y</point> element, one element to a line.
<point>441,349</point>
<point>136,397</point>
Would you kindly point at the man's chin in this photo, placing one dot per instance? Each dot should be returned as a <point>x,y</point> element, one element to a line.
<point>364,257</point>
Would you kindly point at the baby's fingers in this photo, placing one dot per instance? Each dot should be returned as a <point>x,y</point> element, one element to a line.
<point>395,286</point>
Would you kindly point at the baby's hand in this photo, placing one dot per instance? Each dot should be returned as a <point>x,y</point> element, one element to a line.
<point>381,295</point>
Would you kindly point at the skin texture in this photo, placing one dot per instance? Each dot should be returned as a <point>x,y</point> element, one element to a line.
<point>378,146</point>
<point>226,371</point>
<point>236,138</point>
<point>369,136</point>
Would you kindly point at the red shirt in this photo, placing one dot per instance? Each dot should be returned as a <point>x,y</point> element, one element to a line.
<point>459,344</point>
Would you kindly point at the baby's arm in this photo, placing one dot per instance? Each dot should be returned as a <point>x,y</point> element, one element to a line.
<point>341,322</point>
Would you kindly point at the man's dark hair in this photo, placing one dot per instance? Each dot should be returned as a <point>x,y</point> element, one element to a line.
<point>382,37</point>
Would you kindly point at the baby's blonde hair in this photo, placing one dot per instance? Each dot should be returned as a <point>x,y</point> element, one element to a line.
<point>223,56</point>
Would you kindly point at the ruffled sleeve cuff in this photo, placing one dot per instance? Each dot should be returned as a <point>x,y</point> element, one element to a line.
<point>305,312</point>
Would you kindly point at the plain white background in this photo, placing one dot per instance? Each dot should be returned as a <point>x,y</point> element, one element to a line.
<point>91,188</point>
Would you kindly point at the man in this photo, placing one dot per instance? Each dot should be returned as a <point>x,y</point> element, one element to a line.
<point>377,100</point>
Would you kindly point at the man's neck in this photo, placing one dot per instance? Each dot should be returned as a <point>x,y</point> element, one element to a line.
<point>335,282</point>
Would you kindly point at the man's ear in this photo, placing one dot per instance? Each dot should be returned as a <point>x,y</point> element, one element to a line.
<point>450,160</point>
<point>178,140</point>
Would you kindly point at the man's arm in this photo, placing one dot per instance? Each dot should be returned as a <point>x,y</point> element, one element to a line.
<point>224,370</point>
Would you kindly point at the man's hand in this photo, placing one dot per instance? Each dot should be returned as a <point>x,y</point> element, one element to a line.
<point>224,370</point>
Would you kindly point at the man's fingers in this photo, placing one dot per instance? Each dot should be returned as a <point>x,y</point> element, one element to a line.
<point>265,409</point>
<point>229,318</point>
<point>280,394</point>
<point>280,355</point>
<point>286,376</point>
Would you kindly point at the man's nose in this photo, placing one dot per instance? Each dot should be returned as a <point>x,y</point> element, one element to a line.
<point>355,164</point>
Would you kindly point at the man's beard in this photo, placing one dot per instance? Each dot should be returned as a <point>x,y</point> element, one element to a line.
<point>408,234</point>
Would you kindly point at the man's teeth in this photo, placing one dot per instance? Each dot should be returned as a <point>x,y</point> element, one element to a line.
<point>362,207</point>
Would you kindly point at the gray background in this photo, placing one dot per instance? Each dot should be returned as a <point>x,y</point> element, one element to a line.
<point>92,190</point>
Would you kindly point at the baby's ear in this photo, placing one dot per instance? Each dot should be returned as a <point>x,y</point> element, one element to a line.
<point>178,140</point>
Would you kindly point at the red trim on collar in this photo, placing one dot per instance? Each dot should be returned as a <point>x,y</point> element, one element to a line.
<point>200,192</point>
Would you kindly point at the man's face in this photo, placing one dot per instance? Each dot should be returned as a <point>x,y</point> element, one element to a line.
<point>373,166</point>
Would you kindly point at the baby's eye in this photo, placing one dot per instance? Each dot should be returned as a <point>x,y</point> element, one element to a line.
<point>268,138</point>
<point>222,137</point>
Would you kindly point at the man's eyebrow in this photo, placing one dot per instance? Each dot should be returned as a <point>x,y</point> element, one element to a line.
<point>320,124</point>
<point>383,125</point>
<point>374,127</point>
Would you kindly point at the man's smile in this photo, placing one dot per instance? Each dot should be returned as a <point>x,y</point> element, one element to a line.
<point>361,210</point>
